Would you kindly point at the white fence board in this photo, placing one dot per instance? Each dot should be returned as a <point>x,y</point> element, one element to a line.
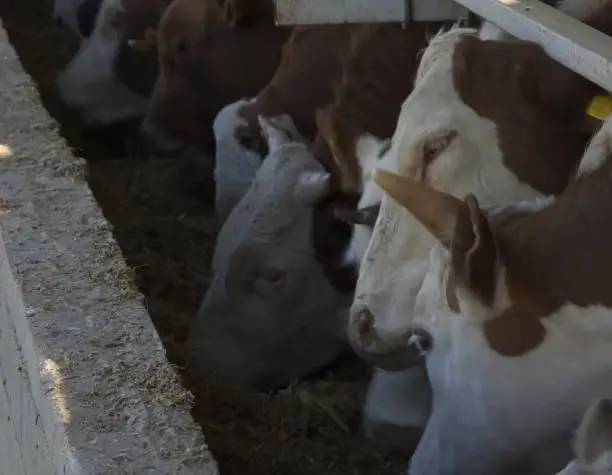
<point>291,12</point>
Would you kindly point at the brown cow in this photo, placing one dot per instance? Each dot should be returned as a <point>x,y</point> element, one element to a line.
<point>204,65</point>
<point>310,68</point>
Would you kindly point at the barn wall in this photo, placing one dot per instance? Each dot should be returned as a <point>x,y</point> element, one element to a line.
<point>85,385</point>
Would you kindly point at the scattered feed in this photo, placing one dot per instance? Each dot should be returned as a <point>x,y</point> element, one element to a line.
<point>163,220</point>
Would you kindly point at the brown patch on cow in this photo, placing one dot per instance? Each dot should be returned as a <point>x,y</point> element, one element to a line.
<point>310,67</point>
<point>474,259</point>
<point>377,78</point>
<point>554,257</point>
<point>515,332</point>
<point>537,105</point>
<point>206,64</point>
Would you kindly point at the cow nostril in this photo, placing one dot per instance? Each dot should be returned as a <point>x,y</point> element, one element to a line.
<point>421,339</point>
<point>365,328</point>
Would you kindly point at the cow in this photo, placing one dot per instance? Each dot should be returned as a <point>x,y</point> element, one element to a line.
<point>309,70</point>
<point>205,64</point>
<point>593,442</point>
<point>515,316</point>
<point>107,81</point>
<point>500,119</point>
<point>311,237</point>
<point>269,314</point>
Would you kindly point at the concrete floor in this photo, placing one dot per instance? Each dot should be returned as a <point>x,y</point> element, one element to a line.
<point>86,388</point>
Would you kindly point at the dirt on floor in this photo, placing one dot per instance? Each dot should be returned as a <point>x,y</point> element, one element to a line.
<point>162,215</point>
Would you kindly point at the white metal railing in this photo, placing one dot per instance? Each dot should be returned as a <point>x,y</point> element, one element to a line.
<point>569,41</point>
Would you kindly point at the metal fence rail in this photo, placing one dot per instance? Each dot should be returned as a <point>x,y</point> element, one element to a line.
<point>574,44</point>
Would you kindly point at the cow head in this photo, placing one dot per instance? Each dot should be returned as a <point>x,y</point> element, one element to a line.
<point>498,306</point>
<point>273,313</point>
<point>593,442</point>
<point>107,81</point>
<point>204,65</point>
<point>498,119</point>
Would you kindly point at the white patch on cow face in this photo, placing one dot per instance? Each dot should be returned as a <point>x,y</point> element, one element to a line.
<point>235,165</point>
<point>483,418</point>
<point>444,142</point>
<point>66,11</point>
<point>368,151</point>
<point>89,83</point>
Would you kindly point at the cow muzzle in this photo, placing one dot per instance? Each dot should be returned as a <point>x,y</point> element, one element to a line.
<point>158,143</point>
<point>389,353</point>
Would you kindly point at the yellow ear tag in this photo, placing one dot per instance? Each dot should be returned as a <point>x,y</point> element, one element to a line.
<point>600,107</point>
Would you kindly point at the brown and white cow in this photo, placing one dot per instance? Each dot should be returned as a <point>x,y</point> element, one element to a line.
<point>309,70</point>
<point>206,64</point>
<point>593,442</point>
<point>107,81</point>
<point>277,305</point>
<point>516,310</point>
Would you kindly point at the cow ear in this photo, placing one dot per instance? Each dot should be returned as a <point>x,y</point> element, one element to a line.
<point>312,186</point>
<point>474,257</point>
<point>594,435</point>
<point>278,130</point>
<point>434,209</point>
<point>233,12</point>
<point>342,149</point>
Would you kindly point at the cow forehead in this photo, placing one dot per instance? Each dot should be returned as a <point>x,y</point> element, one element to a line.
<point>270,204</point>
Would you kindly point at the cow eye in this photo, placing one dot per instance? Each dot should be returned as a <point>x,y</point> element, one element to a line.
<point>271,277</point>
<point>434,146</point>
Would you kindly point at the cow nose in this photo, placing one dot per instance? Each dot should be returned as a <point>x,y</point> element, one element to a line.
<point>364,330</point>
<point>394,353</point>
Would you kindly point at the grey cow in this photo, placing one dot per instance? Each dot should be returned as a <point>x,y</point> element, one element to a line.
<point>270,314</point>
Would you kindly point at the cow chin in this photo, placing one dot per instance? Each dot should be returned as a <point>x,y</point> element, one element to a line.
<point>223,347</point>
<point>393,360</point>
